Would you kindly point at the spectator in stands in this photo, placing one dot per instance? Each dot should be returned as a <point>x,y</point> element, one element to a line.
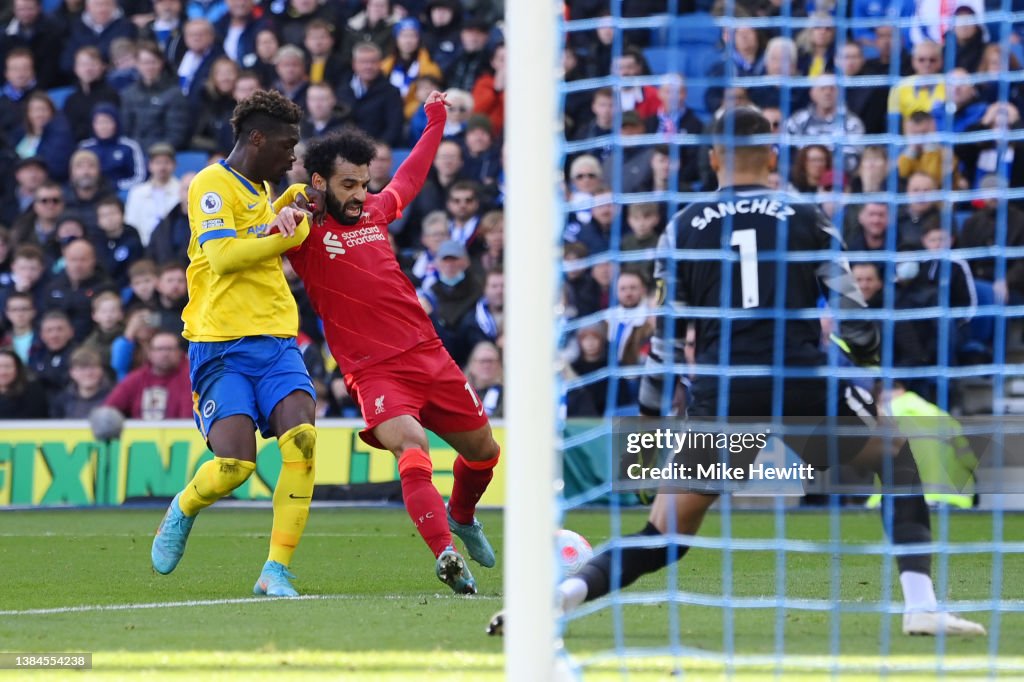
<point>85,186</point>
<point>373,24</point>
<point>967,108</point>
<point>294,17</point>
<point>740,59</point>
<point>582,293</point>
<point>868,102</point>
<point>451,296</point>
<point>673,116</point>
<point>492,233</point>
<point>159,389</point>
<point>407,61</point>
<point>169,242</point>
<point>322,113</point>
<point>643,99</point>
<point>20,396</point>
<point>635,169</point>
<point>28,267</point>
<point>19,82</point>
<point>88,388</point>
<point>423,86</point>
<point>100,23</point>
<point>887,50</point>
<point>323,64</point>
<point>148,203</point>
<point>236,31</point>
<point>141,291</point>
<point>869,280</point>
<point>471,59</point>
<point>166,30</point>
<point>482,160</point>
<point>29,175</point>
<point>72,290</point>
<point>39,224</point>
<point>602,106</point>
<point>196,63</point>
<point>267,45</point>
<point>589,400</point>
<point>486,320</point>
<point>32,29</point>
<point>49,360</point>
<point>460,108</point>
<point>1005,159</point>
<point>376,104</point>
<point>932,16</point>
<point>872,174</point>
<point>91,89</point>
<point>447,169</point>
<point>979,230</point>
<point>817,45</point>
<point>927,156</point>
<point>810,167</point>
<point>153,108</point>
<point>916,93</point>
<point>965,40</point>
<point>441,31</point>
<point>118,244</point>
<point>629,326</point>
<point>586,176</point>
<point>872,227</point>
<point>595,234</point>
<point>484,372</point>
<point>290,67</point>
<point>108,324</point>
<point>172,295</point>
<point>644,221</point>
<point>780,61</point>
<point>577,104</point>
<point>991,66</point>
<point>825,116</point>
<point>45,135</point>
<point>421,266</point>
<point>463,205</point>
<point>489,91</point>
<point>122,72</point>
<point>380,168</point>
<point>916,215</point>
<point>225,87</point>
<point>128,351</point>
<point>121,159</point>
<point>20,312</point>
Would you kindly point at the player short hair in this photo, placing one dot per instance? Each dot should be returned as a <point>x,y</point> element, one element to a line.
<point>350,145</point>
<point>264,109</point>
<point>730,129</point>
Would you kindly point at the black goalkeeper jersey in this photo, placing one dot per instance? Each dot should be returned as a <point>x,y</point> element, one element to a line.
<point>751,220</point>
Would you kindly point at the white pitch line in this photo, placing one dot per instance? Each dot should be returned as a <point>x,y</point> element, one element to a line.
<point>221,602</point>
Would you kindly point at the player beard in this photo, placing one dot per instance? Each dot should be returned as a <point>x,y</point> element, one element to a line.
<point>340,212</point>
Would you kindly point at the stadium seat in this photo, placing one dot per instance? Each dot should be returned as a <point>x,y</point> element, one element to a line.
<point>699,60</point>
<point>666,59</point>
<point>695,29</point>
<point>60,95</point>
<point>397,157</point>
<point>190,162</point>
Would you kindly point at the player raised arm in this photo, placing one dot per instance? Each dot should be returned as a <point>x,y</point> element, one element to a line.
<point>411,175</point>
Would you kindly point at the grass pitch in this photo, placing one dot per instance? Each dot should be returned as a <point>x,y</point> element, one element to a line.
<point>80,581</point>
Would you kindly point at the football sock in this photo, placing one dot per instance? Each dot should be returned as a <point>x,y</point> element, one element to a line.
<point>214,480</point>
<point>918,591</point>
<point>911,522</point>
<point>422,501</point>
<point>293,492</point>
<point>636,562</point>
<point>471,481</point>
<point>573,591</point>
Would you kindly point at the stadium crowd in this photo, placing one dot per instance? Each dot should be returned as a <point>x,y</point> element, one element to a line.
<point>105,107</point>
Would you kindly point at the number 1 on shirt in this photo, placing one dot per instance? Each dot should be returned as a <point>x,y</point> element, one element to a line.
<point>747,241</point>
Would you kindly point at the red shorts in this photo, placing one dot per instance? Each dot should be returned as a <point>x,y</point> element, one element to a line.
<point>423,382</point>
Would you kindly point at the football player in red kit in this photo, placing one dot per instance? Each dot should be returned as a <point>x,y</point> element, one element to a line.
<point>393,361</point>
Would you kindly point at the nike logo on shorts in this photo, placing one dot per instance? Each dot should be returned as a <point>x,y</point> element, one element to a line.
<point>299,497</point>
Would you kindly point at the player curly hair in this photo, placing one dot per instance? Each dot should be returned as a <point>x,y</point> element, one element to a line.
<point>352,145</point>
<point>262,109</point>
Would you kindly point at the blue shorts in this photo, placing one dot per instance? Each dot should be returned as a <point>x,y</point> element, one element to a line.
<point>248,376</point>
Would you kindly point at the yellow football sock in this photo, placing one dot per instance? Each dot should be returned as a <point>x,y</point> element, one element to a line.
<point>212,481</point>
<point>294,491</point>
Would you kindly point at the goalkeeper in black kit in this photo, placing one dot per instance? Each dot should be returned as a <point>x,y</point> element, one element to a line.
<point>751,216</point>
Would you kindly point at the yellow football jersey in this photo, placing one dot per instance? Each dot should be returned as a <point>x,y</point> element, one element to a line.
<point>222,204</point>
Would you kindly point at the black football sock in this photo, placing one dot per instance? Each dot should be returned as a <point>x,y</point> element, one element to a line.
<point>636,562</point>
<point>911,522</point>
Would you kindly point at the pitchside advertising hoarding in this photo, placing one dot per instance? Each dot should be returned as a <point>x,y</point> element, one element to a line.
<point>47,463</point>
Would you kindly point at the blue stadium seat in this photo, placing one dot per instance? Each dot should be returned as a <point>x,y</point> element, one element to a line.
<point>190,162</point>
<point>60,95</point>
<point>665,59</point>
<point>695,29</point>
<point>397,157</point>
<point>700,58</point>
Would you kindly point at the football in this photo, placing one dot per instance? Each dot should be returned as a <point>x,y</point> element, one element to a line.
<point>573,551</point>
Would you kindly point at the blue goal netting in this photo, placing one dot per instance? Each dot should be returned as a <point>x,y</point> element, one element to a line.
<point>901,122</point>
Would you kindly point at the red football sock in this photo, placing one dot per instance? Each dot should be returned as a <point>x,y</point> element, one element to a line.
<point>471,481</point>
<point>424,504</point>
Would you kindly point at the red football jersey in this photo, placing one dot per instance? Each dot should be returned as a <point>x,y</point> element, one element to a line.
<point>368,306</point>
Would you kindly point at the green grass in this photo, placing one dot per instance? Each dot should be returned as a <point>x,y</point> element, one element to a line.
<point>384,616</point>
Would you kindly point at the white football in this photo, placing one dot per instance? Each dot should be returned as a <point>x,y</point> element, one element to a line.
<point>573,551</point>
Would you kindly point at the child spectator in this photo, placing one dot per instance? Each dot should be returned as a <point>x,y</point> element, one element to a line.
<point>121,159</point>
<point>141,291</point>
<point>482,162</point>
<point>128,350</point>
<point>91,89</point>
<point>323,64</point>
<point>20,312</point>
<point>108,317</point>
<point>643,221</point>
<point>88,387</point>
<point>119,245</point>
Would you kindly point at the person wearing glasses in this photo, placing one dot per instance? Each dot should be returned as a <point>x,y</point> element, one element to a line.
<point>38,224</point>
<point>918,92</point>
